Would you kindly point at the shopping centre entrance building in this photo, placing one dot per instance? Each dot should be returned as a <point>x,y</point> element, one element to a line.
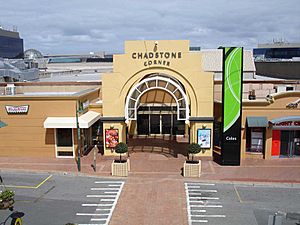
<point>157,88</point>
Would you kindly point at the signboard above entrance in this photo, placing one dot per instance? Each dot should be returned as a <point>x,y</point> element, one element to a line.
<point>22,109</point>
<point>156,58</point>
<point>286,123</point>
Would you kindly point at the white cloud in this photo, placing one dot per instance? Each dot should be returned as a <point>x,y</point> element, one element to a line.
<point>82,26</point>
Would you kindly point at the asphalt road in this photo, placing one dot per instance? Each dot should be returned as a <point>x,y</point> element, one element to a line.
<point>60,199</point>
<point>228,204</point>
<point>57,199</point>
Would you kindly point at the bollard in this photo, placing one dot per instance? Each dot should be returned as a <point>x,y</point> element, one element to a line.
<point>275,219</point>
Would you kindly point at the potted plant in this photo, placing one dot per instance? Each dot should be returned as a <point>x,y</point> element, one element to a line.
<point>192,168</point>
<point>120,167</point>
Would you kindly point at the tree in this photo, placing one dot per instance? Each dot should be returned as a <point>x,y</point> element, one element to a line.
<point>193,148</point>
<point>121,148</point>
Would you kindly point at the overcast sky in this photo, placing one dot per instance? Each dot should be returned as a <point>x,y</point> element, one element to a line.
<point>81,26</point>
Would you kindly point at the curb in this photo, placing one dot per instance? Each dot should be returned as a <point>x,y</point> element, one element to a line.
<point>279,184</point>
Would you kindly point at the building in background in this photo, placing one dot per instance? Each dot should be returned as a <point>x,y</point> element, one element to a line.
<point>11,45</point>
<point>278,60</point>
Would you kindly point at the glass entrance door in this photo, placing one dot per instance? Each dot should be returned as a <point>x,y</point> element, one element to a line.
<point>155,125</point>
<point>143,124</point>
<point>290,143</point>
<point>166,123</point>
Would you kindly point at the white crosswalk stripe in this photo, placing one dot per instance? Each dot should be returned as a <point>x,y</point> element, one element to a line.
<point>202,204</point>
<point>104,196</point>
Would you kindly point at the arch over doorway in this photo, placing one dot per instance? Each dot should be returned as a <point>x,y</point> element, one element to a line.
<point>161,83</point>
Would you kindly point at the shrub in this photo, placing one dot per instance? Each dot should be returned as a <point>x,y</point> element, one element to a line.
<point>121,148</point>
<point>193,148</point>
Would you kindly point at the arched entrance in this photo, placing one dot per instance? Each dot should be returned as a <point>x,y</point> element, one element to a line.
<point>159,107</point>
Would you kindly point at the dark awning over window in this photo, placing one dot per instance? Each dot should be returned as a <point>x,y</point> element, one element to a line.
<point>2,124</point>
<point>257,121</point>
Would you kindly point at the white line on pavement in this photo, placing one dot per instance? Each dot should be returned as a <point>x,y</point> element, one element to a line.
<point>207,191</point>
<point>115,202</point>
<point>205,184</point>
<point>201,210</point>
<point>96,219</point>
<point>109,182</point>
<point>203,198</point>
<point>103,210</point>
<point>212,202</point>
<point>104,204</point>
<point>206,206</point>
<point>89,214</point>
<point>114,185</point>
<point>100,196</point>
<point>212,216</point>
<point>198,221</point>
<point>110,192</point>
<point>100,189</point>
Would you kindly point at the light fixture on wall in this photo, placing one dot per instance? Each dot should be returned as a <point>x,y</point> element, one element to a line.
<point>204,126</point>
<point>155,46</point>
<point>111,126</point>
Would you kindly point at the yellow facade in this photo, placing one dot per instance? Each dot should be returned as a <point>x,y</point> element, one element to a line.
<point>168,58</point>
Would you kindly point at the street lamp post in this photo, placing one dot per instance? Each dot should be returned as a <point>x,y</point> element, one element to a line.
<point>78,138</point>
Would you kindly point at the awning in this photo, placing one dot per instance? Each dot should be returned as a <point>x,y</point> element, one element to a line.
<point>257,121</point>
<point>2,124</point>
<point>85,121</point>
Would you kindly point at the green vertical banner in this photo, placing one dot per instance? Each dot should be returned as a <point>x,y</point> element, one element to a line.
<point>232,105</point>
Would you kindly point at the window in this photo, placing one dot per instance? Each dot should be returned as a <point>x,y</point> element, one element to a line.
<point>64,143</point>
<point>64,138</point>
<point>255,140</point>
<point>289,88</point>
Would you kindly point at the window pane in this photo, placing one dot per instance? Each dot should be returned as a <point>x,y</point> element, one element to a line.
<point>64,137</point>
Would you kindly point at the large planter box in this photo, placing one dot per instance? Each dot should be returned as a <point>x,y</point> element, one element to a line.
<point>120,169</point>
<point>192,169</point>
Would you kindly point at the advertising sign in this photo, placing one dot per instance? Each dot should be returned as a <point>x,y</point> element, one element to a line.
<point>232,105</point>
<point>22,109</point>
<point>203,137</point>
<point>111,138</point>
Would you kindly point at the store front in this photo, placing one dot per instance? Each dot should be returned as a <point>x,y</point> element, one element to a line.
<point>286,137</point>
<point>155,90</point>
<point>271,128</point>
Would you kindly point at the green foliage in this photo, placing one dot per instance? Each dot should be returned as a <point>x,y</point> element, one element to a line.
<point>6,195</point>
<point>193,148</point>
<point>121,148</point>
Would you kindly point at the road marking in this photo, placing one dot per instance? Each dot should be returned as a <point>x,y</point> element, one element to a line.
<point>89,214</point>
<point>96,219</point>
<point>100,196</point>
<point>212,216</point>
<point>89,224</point>
<point>103,210</point>
<point>198,221</point>
<point>200,210</point>
<point>238,194</point>
<point>114,185</point>
<point>109,182</point>
<point>206,202</point>
<point>209,198</point>
<point>199,184</point>
<point>100,189</point>
<point>207,206</point>
<point>214,191</point>
<point>30,187</point>
<point>97,205</point>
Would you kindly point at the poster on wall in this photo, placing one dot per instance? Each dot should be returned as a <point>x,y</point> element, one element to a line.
<point>204,138</point>
<point>111,138</point>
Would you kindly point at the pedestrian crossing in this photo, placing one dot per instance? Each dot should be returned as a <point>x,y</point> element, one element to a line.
<point>101,202</point>
<point>203,203</point>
